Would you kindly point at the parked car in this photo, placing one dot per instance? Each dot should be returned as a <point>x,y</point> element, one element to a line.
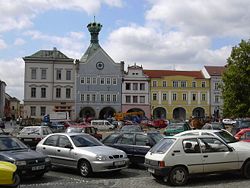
<point>135,144</point>
<point>214,125</point>
<point>8,175</point>
<point>83,152</point>
<point>84,129</point>
<point>2,124</point>
<point>243,135</point>
<point>102,125</point>
<point>222,134</point>
<point>240,124</point>
<point>31,135</point>
<point>131,128</point>
<point>158,123</point>
<point>57,126</point>
<point>175,159</point>
<point>228,121</point>
<point>28,162</point>
<point>175,128</point>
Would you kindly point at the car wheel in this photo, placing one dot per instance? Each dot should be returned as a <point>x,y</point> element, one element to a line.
<point>85,168</point>
<point>246,170</point>
<point>157,177</point>
<point>178,176</point>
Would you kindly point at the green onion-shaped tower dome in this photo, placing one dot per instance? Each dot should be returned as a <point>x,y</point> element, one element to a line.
<point>94,29</point>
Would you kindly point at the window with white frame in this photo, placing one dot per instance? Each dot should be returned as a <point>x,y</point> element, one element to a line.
<point>216,86</point>
<point>32,111</point>
<point>68,74</point>
<point>102,81</point>
<point>154,98</point>
<point>93,97</point>
<point>82,97</point>
<point>33,92</point>
<point>43,74</point>
<point>114,98</point>
<point>135,86</point>
<point>108,81</point>
<point>108,97</point>
<point>88,80</point>
<point>42,110</point>
<point>114,81</point>
<point>175,84</point>
<point>183,84</point>
<point>135,99</point>
<point>58,74</point>
<point>102,98</point>
<point>184,97</point>
<point>128,99</point>
<point>82,81</point>
<point>142,99</point>
<point>203,96</point>
<point>203,84</point>
<point>94,81</point>
<point>194,96</point>
<point>164,83</point>
<point>174,96</point>
<point>128,86</point>
<point>154,83</point>
<point>58,92</point>
<point>88,97</point>
<point>142,86</point>
<point>68,93</point>
<point>33,73</point>
<point>217,99</point>
<point>164,96</point>
<point>43,92</point>
<point>193,84</point>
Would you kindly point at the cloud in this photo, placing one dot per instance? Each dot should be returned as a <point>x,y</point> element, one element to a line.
<point>20,14</point>
<point>14,78</point>
<point>213,18</point>
<point>19,42</point>
<point>2,44</point>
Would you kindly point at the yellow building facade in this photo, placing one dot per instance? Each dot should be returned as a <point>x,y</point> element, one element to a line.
<point>178,94</point>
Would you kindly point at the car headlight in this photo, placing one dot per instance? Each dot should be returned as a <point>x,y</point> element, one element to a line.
<point>47,159</point>
<point>20,163</point>
<point>101,157</point>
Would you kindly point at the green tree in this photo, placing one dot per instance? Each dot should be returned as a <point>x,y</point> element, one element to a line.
<point>236,82</point>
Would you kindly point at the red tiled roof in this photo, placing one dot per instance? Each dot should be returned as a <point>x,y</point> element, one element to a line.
<point>161,73</point>
<point>215,70</point>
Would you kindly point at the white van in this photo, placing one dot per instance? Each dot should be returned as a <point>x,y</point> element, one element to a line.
<point>102,124</point>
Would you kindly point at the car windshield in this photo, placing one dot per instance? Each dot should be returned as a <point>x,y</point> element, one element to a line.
<point>245,124</point>
<point>227,137</point>
<point>163,145</point>
<point>9,143</point>
<point>30,130</point>
<point>74,130</point>
<point>156,136</point>
<point>85,141</point>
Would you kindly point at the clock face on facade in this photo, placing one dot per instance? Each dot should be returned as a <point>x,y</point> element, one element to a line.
<point>100,65</point>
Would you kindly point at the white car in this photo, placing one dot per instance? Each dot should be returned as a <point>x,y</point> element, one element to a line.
<point>228,121</point>
<point>174,159</point>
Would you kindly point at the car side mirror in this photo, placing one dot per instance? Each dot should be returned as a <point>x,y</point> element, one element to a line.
<point>237,138</point>
<point>231,149</point>
<point>148,144</point>
<point>69,146</point>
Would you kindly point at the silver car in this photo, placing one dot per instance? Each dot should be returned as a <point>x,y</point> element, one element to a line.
<point>83,152</point>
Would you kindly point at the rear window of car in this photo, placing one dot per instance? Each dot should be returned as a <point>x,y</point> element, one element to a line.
<point>30,130</point>
<point>163,145</point>
<point>228,138</point>
<point>156,137</point>
<point>110,139</point>
<point>74,130</point>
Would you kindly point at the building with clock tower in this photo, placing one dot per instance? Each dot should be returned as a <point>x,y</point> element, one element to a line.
<point>98,81</point>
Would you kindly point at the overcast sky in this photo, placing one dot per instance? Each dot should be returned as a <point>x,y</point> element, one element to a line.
<point>157,34</point>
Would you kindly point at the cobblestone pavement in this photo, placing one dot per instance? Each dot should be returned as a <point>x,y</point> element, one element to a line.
<point>127,178</point>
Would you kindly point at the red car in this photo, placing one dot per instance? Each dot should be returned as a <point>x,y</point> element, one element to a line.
<point>158,123</point>
<point>243,135</point>
<point>84,129</point>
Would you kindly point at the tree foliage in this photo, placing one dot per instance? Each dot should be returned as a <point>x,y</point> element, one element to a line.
<point>236,82</point>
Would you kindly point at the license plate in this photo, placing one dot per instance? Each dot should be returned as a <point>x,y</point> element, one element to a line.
<point>34,168</point>
<point>151,170</point>
<point>119,163</point>
<point>27,139</point>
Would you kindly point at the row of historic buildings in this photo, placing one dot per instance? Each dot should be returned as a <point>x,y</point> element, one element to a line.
<point>96,86</point>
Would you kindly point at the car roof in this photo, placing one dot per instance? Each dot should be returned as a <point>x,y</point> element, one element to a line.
<point>79,126</point>
<point>190,136</point>
<point>68,134</point>
<point>38,126</point>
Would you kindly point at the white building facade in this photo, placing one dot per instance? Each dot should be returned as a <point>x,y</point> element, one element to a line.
<point>48,84</point>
